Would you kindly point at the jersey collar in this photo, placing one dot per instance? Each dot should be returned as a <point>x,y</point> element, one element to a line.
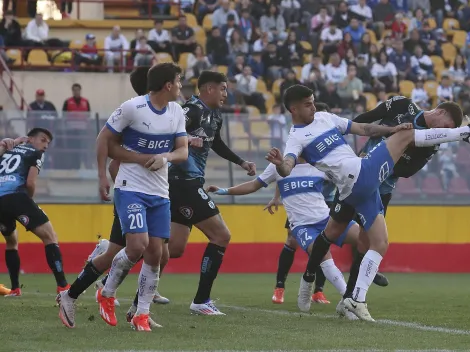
<point>158,112</point>
<point>415,121</point>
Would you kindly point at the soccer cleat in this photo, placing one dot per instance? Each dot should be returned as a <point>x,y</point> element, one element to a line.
<point>380,280</point>
<point>343,312</point>
<point>160,299</point>
<point>359,309</point>
<point>131,312</point>
<point>304,298</point>
<point>100,248</point>
<point>278,296</point>
<point>207,308</point>
<point>66,309</point>
<point>319,297</point>
<point>106,305</point>
<point>6,291</point>
<point>98,285</point>
<point>141,322</point>
<point>61,289</point>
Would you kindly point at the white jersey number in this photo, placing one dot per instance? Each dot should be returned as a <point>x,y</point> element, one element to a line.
<point>137,221</point>
<point>10,163</point>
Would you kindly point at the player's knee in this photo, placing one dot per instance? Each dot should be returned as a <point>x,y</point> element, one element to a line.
<point>176,251</point>
<point>221,237</point>
<point>291,242</point>
<point>11,242</point>
<point>46,233</point>
<point>380,245</point>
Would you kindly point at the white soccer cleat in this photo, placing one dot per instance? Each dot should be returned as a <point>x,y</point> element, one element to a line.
<point>343,312</point>
<point>160,299</point>
<point>66,309</point>
<point>359,309</point>
<point>207,308</point>
<point>131,312</point>
<point>100,248</point>
<point>98,285</point>
<point>304,298</point>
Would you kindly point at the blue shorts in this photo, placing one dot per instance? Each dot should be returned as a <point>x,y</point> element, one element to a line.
<point>376,167</point>
<point>305,235</point>
<point>143,213</point>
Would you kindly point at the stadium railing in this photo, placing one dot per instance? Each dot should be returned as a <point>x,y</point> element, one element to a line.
<point>70,174</point>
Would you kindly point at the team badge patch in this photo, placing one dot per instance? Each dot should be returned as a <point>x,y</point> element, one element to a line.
<point>187,212</point>
<point>3,228</point>
<point>23,219</point>
<point>116,115</point>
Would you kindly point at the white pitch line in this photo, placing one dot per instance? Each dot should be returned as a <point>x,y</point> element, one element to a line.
<point>273,350</point>
<point>404,324</point>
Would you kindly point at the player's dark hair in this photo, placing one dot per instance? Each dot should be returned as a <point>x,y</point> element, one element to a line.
<point>322,107</point>
<point>161,74</point>
<point>76,85</point>
<point>210,77</point>
<point>138,78</point>
<point>454,110</point>
<point>295,94</point>
<point>36,130</point>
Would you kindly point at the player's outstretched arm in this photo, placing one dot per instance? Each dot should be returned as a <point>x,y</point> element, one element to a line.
<point>284,165</point>
<point>238,190</point>
<point>372,130</point>
<point>376,114</point>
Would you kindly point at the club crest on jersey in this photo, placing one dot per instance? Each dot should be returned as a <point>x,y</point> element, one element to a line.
<point>187,212</point>
<point>411,110</point>
<point>23,219</point>
<point>337,208</point>
<point>3,228</point>
<point>134,208</point>
<point>116,115</point>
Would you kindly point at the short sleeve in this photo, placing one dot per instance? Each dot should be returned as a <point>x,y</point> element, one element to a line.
<point>119,119</point>
<point>293,147</point>
<point>181,127</point>
<point>344,125</point>
<point>38,160</point>
<point>191,114</point>
<point>268,176</point>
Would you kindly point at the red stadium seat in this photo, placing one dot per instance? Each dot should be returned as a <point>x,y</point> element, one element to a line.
<point>458,186</point>
<point>432,186</point>
<point>407,186</point>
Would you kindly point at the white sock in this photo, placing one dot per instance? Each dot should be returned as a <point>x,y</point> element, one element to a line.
<point>118,272</point>
<point>98,249</point>
<point>148,282</point>
<point>369,268</point>
<point>433,136</point>
<point>334,275</point>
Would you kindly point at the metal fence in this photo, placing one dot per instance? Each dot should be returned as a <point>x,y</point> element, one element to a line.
<point>70,174</point>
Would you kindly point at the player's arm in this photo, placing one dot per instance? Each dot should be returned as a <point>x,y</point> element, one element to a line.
<point>285,165</point>
<point>7,144</point>
<point>373,130</point>
<point>180,151</point>
<point>376,114</point>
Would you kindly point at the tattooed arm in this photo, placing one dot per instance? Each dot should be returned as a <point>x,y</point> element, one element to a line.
<point>373,130</point>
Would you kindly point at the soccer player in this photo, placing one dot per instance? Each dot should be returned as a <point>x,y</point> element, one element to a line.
<point>318,137</point>
<point>190,204</point>
<point>21,163</point>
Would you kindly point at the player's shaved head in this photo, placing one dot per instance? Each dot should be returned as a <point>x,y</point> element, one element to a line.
<point>36,131</point>
<point>210,77</point>
<point>159,75</point>
<point>138,78</point>
<point>296,94</point>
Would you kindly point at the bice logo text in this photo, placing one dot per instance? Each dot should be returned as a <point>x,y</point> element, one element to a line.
<point>327,141</point>
<point>298,184</point>
<point>144,143</point>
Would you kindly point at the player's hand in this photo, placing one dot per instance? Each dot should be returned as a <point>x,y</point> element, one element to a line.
<point>156,162</point>
<point>275,202</point>
<point>195,142</point>
<point>403,127</point>
<point>21,140</point>
<point>274,156</point>
<point>250,167</point>
<point>217,190</point>
<point>104,189</point>
<point>7,143</point>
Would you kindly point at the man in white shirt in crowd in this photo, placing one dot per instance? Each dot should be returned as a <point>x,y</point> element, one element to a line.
<point>445,90</point>
<point>115,46</point>
<point>335,71</point>
<point>363,10</point>
<point>315,62</point>
<point>159,39</point>
<point>36,34</point>
<point>219,18</point>
<point>246,84</point>
<point>421,64</point>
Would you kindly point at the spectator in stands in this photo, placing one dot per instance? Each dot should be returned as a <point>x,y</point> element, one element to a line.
<point>217,48</point>
<point>420,4</point>
<point>274,24</point>
<point>426,33</point>
<point>291,11</point>
<point>257,65</point>
<point>234,104</point>
<point>464,15</point>
<point>159,38</point>
<point>331,37</point>
<point>320,21</point>
<point>363,72</point>
<point>373,54</point>
<point>145,55</point>
<point>272,62</point>
<point>458,71</point>
<point>356,30</point>
<point>385,74</point>
<point>247,85</point>
<point>387,45</point>
<point>237,66</point>
<point>262,42</point>
<point>315,82</point>
<point>464,96</point>
<point>228,28</point>
<point>342,16</point>
<point>37,35</point>
<point>277,124</point>
<point>243,5</point>
<point>197,62</point>
<point>237,44</point>
<point>433,49</point>
<point>448,169</point>
<point>66,8</point>
<point>364,45</point>
<point>345,45</point>
<point>88,54</point>
<point>419,95</point>
<point>330,97</point>
<point>76,114</point>
<point>445,90</point>
<point>182,38</point>
<point>399,27</point>
<point>10,30</point>
<point>247,25</point>
<point>292,51</point>
<point>315,62</point>
<point>362,12</point>
<point>383,16</point>
<point>443,8</point>
<point>6,6</point>
<point>220,16</point>
<point>289,81</point>
<point>402,61</point>
<point>32,8</point>
<point>417,20</point>
<point>421,64</point>
<point>259,8</point>
<point>116,47</point>
<point>139,33</point>
<point>41,113</point>
<point>335,71</point>
<point>381,97</point>
<point>205,7</point>
<point>351,88</point>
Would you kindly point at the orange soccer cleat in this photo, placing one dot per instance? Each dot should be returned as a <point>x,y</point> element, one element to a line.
<point>141,322</point>
<point>106,308</point>
<point>60,288</point>
<point>319,297</point>
<point>278,296</point>
<point>5,291</point>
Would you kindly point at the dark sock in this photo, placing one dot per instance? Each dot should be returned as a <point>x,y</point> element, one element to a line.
<point>319,249</point>
<point>286,258</point>
<point>136,299</point>
<point>353,273</point>
<point>54,259</point>
<point>86,278</point>
<point>319,280</point>
<point>104,279</point>
<point>210,265</point>
<point>12,259</point>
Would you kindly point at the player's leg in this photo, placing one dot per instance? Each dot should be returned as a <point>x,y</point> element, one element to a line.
<point>163,262</point>
<point>12,259</point>
<point>318,295</point>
